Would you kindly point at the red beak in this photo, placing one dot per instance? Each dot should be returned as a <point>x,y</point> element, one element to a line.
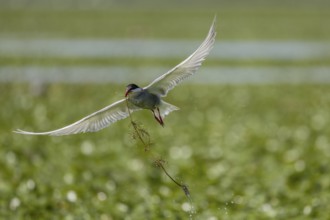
<point>127,91</point>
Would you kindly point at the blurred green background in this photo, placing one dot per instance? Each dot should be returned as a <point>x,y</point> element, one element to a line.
<point>246,150</point>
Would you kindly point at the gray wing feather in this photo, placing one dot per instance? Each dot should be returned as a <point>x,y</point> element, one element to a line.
<point>93,122</point>
<point>188,67</point>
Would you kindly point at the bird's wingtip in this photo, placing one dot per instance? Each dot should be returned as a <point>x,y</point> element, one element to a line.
<point>214,23</point>
<point>16,131</point>
<point>19,131</point>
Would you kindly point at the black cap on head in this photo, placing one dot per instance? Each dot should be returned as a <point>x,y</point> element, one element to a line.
<point>130,87</point>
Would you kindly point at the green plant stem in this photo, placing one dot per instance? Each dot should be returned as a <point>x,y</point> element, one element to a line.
<point>159,162</point>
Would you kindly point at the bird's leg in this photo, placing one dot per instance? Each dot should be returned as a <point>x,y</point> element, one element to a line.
<point>159,118</point>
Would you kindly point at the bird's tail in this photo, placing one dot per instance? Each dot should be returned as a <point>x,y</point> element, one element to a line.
<point>166,108</point>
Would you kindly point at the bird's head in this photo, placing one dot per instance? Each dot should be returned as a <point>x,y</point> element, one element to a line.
<point>130,88</point>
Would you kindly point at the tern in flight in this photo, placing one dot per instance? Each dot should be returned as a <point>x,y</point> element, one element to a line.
<point>137,98</point>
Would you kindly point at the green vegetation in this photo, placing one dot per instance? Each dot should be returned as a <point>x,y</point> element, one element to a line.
<point>245,151</point>
<point>234,23</point>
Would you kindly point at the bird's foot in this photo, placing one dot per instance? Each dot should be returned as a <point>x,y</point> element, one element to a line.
<point>159,118</point>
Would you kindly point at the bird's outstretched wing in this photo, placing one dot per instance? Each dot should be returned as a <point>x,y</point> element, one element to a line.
<point>188,67</point>
<point>93,122</point>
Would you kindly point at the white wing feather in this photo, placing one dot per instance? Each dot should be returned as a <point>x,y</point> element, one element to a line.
<point>188,67</point>
<point>93,122</point>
